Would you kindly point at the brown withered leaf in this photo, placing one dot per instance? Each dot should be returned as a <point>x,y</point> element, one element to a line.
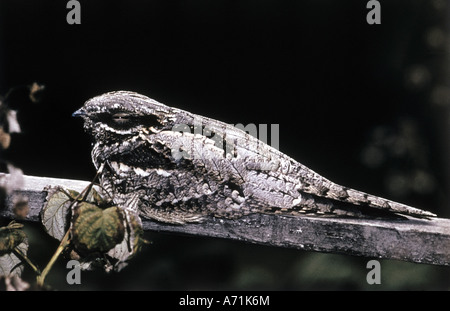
<point>11,237</point>
<point>56,211</point>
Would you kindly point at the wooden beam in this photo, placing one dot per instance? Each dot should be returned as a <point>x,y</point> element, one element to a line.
<point>413,240</point>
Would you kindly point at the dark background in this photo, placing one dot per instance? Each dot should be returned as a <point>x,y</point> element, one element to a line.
<point>366,106</point>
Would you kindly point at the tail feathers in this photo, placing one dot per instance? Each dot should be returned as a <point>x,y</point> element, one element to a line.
<point>344,194</point>
<point>361,198</point>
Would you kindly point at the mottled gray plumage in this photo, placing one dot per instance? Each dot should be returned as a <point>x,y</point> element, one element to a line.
<point>174,166</point>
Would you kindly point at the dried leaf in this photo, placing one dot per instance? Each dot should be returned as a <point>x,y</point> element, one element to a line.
<point>103,236</point>
<point>132,242</point>
<point>137,240</point>
<point>12,237</point>
<point>56,210</point>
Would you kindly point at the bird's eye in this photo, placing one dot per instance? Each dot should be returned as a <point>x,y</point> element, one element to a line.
<point>120,118</point>
<point>123,120</point>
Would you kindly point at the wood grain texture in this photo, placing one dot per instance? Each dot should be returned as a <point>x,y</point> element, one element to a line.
<point>410,239</point>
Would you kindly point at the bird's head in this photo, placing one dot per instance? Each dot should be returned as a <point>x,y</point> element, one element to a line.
<point>120,114</point>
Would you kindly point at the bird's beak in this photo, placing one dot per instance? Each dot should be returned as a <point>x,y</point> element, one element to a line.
<point>79,113</point>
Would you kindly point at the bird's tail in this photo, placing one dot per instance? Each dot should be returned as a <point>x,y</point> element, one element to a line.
<point>345,194</point>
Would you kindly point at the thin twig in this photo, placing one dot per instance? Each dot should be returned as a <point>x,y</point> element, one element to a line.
<point>64,243</point>
<point>24,257</point>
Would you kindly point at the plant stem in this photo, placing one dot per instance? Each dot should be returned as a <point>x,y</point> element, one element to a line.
<point>64,242</point>
<point>20,254</point>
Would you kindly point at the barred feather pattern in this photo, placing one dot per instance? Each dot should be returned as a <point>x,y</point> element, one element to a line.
<point>174,166</point>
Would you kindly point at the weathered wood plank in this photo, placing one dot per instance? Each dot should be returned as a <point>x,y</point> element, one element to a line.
<point>413,240</point>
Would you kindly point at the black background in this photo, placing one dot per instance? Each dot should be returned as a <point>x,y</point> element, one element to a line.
<point>317,69</point>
